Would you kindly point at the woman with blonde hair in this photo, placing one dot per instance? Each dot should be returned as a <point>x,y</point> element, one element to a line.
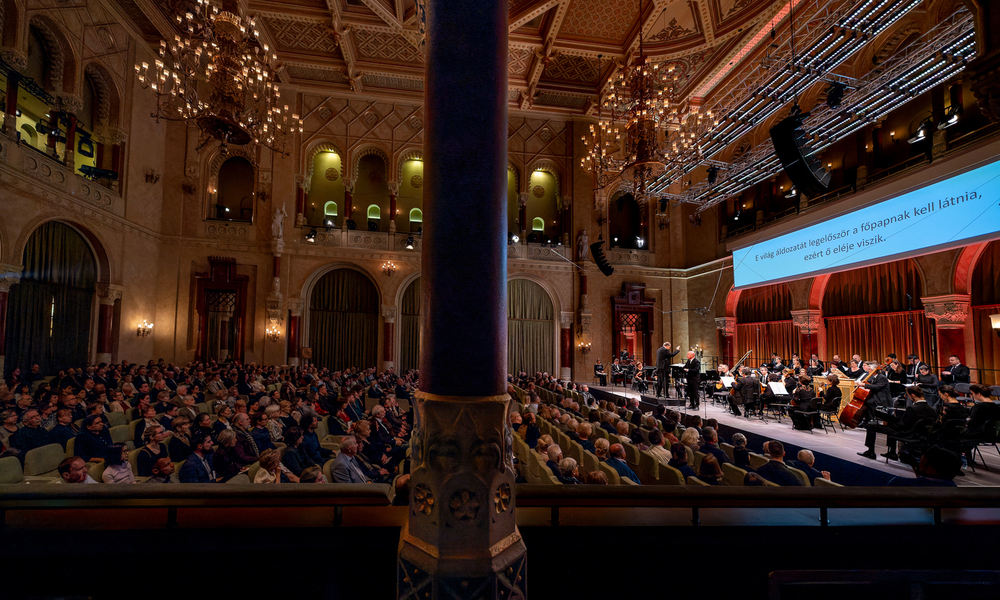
<point>601,449</point>
<point>543,444</point>
<point>271,470</point>
<point>691,438</point>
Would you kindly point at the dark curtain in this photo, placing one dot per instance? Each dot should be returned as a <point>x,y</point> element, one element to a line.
<point>767,303</point>
<point>875,336</point>
<point>49,311</point>
<point>985,283</point>
<point>530,323</point>
<point>986,302</point>
<point>874,290</point>
<point>409,328</point>
<point>765,338</point>
<point>343,321</point>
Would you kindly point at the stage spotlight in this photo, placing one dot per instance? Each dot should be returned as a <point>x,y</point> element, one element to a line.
<point>409,243</point>
<point>311,236</point>
<point>950,118</point>
<point>512,238</point>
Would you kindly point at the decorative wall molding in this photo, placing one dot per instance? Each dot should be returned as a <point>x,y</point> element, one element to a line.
<point>108,293</point>
<point>949,311</point>
<point>629,257</point>
<point>727,325</point>
<point>808,321</point>
<point>389,313</point>
<point>218,229</point>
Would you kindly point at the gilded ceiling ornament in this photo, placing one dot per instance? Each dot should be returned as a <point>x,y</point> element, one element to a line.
<point>332,174</point>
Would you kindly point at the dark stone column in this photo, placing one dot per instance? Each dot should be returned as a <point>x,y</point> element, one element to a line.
<point>460,539</point>
<point>294,319</point>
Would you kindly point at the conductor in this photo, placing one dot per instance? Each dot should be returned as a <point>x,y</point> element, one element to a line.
<point>663,356</point>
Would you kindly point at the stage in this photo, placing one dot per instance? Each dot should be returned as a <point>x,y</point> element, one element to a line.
<point>835,451</point>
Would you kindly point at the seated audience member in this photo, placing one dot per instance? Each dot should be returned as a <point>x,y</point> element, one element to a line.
<point>596,478</point>
<point>64,430</point>
<point>710,471</point>
<point>616,460</point>
<point>695,424</point>
<point>741,456</point>
<point>775,470</point>
<point>32,435</point>
<point>8,426</point>
<point>117,470</point>
<point>162,471</point>
<point>228,461</point>
<point>583,432</point>
<point>296,458</point>
<point>601,447</point>
<point>679,460</point>
<point>938,468</point>
<point>246,447</point>
<point>692,438</point>
<point>805,462</point>
<point>310,441</point>
<point>555,455</point>
<point>711,445</point>
<point>376,463</point>
<point>261,434</point>
<point>346,467</point>
<point>198,467</point>
<point>179,446</point>
<point>752,479</point>
<point>222,423</point>
<point>74,470</point>
<point>203,425</point>
<point>543,444</point>
<point>93,441</point>
<point>657,445</point>
<point>168,416</point>
<point>149,419</point>
<point>272,471</point>
<point>529,430</point>
<point>187,408</point>
<point>312,475</point>
<point>569,471</point>
<point>622,431</point>
<point>153,450</point>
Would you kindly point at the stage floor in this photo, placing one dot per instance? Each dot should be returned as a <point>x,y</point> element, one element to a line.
<point>844,445</point>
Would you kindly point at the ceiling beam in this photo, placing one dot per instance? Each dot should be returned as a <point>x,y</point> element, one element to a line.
<point>522,14</point>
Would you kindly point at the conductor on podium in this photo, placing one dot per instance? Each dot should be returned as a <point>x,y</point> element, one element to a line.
<point>663,356</point>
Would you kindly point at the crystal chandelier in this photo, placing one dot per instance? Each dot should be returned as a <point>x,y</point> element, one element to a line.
<point>638,102</point>
<point>218,74</point>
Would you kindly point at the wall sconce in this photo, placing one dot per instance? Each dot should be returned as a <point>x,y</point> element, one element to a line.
<point>152,176</point>
<point>995,321</point>
<point>271,333</point>
<point>388,269</point>
<point>584,348</point>
<point>143,329</point>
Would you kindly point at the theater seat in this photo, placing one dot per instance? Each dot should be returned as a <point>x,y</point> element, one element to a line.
<point>328,470</point>
<point>240,478</point>
<point>728,449</point>
<point>119,434</point>
<point>117,418</point>
<point>627,481</point>
<point>822,482</point>
<point>732,475</point>
<point>670,475</point>
<point>44,461</point>
<point>698,456</point>
<point>801,475</point>
<point>70,447</point>
<point>757,460</point>
<point>696,481</point>
<point>96,470</point>
<point>133,458</point>
<point>613,477</point>
<point>10,470</point>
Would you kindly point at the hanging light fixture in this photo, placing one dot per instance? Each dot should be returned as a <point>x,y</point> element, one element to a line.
<point>626,141</point>
<point>219,74</point>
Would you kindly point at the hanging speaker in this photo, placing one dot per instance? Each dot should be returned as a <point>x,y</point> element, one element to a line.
<point>597,251</point>
<point>793,150</point>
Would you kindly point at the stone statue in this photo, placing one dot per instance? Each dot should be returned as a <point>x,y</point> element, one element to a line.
<point>582,245</point>
<point>278,223</point>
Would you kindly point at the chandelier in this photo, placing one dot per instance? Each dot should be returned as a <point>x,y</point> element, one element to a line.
<point>638,102</point>
<point>218,73</point>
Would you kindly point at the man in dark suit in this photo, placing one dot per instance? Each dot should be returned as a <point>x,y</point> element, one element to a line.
<point>345,468</point>
<point>711,445</point>
<point>617,462</point>
<point>878,385</point>
<point>198,467</point>
<point>775,469</point>
<point>913,367</point>
<point>918,411</point>
<point>956,372</point>
<point>745,388</point>
<point>692,372</point>
<point>617,372</point>
<point>805,462</point>
<point>663,356</point>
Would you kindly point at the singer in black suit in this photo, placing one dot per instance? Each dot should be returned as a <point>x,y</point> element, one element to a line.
<point>956,372</point>
<point>663,356</point>
<point>692,372</point>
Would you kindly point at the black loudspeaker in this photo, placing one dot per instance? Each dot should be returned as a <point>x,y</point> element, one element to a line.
<point>600,260</point>
<point>792,148</point>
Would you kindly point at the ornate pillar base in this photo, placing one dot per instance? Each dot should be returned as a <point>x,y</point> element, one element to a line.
<point>460,539</point>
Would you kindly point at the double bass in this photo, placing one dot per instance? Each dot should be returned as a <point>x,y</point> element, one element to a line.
<point>852,414</point>
<point>736,370</point>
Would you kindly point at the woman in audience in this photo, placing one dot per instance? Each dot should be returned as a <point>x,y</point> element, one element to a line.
<point>141,403</point>
<point>226,461</point>
<point>529,430</point>
<point>710,471</point>
<point>179,445</point>
<point>162,471</point>
<point>119,403</point>
<point>285,415</point>
<point>596,478</point>
<point>372,458</point>
<point>203,426</point>
<point>691,438</point>
<point>148,420</point>
<point>339,423</point>
<point>679,460</point>
<point>222,423</point>
<point>274,424</point>
<point>601,449</point>
<point>741,456</point>
<point>583,432</point>
<point>569,470</point>
<point>543,444</point>
<point>295,458</point>
<point>311,441</point>
<point>312,475</point>
<point>9,426</point>
<point>153,451</point>
<point>272,471</point>
<point>261,435</point>
<point>118,470</point>
<point>622,427</point>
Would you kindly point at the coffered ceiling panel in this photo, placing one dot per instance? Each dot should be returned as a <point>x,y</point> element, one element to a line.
<point>600,19</point>
<point>386,47</point>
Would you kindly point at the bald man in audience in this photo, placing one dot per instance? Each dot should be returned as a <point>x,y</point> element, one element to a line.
<point>616,460</point>
<point>805,462</point>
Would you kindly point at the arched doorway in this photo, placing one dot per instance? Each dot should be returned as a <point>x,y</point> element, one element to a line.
<point>764,324</point>
<point>625,222</point>
<point>409,327</point>
<point>530,328</point>
<point>50,310</point>
<point>343,321</point>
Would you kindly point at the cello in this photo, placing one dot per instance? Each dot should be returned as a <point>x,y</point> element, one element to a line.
<point>852,414</point>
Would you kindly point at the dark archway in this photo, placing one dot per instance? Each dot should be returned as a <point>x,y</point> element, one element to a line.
<point>343,321</point>
<point>625,222</point>
<point>49,312</point>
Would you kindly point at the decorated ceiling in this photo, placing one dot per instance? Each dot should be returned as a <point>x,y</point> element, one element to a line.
<point>560,51</point>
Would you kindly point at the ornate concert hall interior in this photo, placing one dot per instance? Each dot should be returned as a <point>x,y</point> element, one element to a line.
<point>238,188</point>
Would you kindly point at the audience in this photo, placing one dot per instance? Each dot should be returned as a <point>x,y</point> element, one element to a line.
<point>117,469</point>
<point>775,470</point>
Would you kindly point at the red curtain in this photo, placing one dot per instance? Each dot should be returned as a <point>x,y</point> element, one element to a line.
<point>765,338</point>
<point>987,344</point>
<point>875,336</point>
<point>874,290</point>
<point>767,303</point>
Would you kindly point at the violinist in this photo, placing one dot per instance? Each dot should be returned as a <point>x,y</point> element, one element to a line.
<point>791,380</point>
<point>803,401</point>
<point>837,365</point>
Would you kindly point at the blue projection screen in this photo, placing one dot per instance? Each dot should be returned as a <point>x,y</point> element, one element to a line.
<point>949,213</point>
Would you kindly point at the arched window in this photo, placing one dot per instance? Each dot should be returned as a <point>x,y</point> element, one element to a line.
<point>416,216</point>
<point>235,194</point>
<point>374,212</point>
<point>326,188</point>
<point>530,328</point>
<point>625,221</point>
<point>538,224</point>
<point>330,209</point>
<point>409,328</point>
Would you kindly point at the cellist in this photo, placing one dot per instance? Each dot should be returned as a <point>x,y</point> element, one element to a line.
<point>878,385</point>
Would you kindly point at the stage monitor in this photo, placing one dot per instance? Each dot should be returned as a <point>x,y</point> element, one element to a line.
<point>950,213</point>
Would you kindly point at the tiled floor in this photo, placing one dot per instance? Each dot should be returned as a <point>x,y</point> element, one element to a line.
<point>841,444</point>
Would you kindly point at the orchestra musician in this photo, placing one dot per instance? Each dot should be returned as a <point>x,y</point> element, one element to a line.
<point>617,370</point>
<point>819,363</point>
<point>913,367</point>
<point>692,373</point>
<point>599,373</point>
<point>897,379</point>
<point>837,364</point>
<point>854,371</point>
<point>745,387</point>
<point>956,372</point>
<point>928,382</point>
<point>915,413</point>
<point>663,356</point>
<point>878,384</point>
<point>803,400</point>
<point>832,394</point>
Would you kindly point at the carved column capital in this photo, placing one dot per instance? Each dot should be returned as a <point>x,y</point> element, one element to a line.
<point>349,185</point>
<point>15,58</point>
<point>566,319</point>
<point>107,134</point>
<point>727,325</point>
<point>389,313</point>
<point>522,199</point>
<point>9,275</point>
<point>295,306</point>
<point>273,304</point>
<point>949,311</point>
<point>394,188</point>
<point>808,321</point>
<point>108,293</point>
<point>70,103</point>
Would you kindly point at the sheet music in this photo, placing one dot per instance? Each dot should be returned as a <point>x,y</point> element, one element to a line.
<point>778,388</point>
<point>727,381</point>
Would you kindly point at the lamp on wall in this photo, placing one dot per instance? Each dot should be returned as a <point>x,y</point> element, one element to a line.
<point>388,269</point>
<point>584,348</point>
<point>271,333</point>
<point>144,329</point>
<point>995,322</point>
